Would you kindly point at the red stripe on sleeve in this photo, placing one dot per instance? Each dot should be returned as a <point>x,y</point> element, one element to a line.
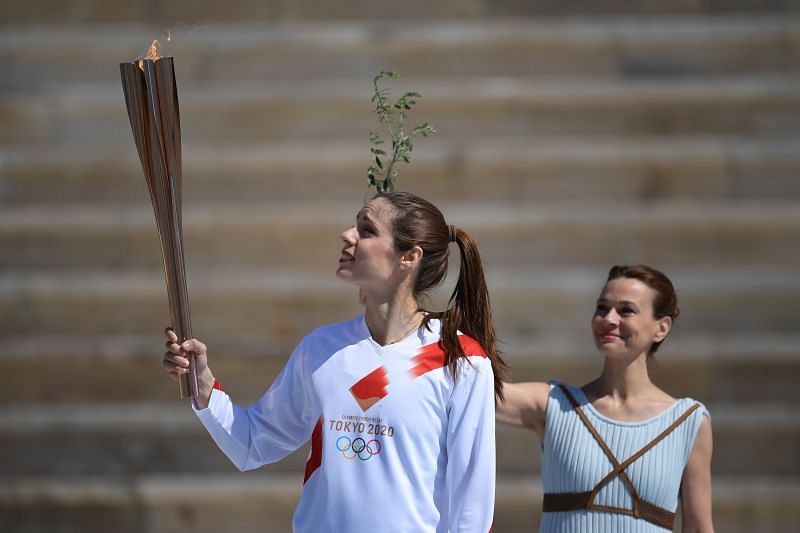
<point>315,457</point>
<point>217,385</point>
<point>431,357</point>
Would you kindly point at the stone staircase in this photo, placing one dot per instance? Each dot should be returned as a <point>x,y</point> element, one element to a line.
<point>572,136</point>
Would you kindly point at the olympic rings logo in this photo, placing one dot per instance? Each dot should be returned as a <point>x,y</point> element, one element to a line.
<point>358,447</point>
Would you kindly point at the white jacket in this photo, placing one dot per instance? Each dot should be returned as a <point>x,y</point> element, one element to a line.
<point>396,444</point>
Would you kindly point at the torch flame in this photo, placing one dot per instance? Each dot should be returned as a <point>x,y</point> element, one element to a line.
<point>152,52</point>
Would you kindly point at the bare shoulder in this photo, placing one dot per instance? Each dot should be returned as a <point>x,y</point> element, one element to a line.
<point>704,441</point>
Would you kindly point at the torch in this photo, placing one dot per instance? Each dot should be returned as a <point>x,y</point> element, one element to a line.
<point>151,97</point>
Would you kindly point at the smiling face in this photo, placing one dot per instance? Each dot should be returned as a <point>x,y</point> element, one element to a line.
<point>623,323</point>
<point>369,259</point>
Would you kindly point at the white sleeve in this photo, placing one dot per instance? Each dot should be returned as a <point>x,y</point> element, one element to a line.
<point>470,477</point>
<point>270,429</point>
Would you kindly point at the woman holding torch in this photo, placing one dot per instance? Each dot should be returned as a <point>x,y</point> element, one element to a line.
<point>398,403</point>
<point>619,453</point>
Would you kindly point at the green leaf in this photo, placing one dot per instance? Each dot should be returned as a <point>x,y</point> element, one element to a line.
<point>423,129</point>
<point>381,175</point>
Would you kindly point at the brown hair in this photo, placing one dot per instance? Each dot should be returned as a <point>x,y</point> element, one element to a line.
<point>665,301</point>
<point>417,222</point>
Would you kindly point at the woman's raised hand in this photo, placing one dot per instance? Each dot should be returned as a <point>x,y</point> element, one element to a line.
<point>176,358</point>
<point>176,362</point>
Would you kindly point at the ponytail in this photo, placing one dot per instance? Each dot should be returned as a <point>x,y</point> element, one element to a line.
<point>417,222</point>
<point>469,310</point>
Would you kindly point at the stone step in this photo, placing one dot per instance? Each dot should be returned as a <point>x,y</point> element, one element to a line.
<point>629,47</point>
<point>233,236</point>
<point>227,113</point>
<point>115,439</point>
<point>278,308</point>
<point>200,12</point>
<point>563,170</point>
<point>249,502</point>
<point>256,502</point>
<point>717,370</point>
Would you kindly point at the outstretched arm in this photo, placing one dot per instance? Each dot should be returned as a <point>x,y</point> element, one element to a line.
<point>696,484</point>
<point>277,424</point>
<point>524,406</point>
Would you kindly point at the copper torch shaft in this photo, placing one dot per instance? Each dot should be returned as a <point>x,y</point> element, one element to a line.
<point>151,97</point>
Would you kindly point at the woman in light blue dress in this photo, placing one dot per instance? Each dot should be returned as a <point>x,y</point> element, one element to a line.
<point>618,453</point>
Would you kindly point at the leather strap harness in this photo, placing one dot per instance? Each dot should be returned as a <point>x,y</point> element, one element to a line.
<point>574,501</point>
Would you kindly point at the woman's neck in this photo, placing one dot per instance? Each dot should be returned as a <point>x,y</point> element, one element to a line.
<point>391,318</point>
<point>621,380</point>
<point>624,391</point>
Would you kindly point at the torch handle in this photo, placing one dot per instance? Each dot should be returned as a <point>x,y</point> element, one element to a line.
<point>184,388</point>
<point>187,383</point>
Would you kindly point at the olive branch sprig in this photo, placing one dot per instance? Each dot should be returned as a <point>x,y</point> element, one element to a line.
<point>382,172</point>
